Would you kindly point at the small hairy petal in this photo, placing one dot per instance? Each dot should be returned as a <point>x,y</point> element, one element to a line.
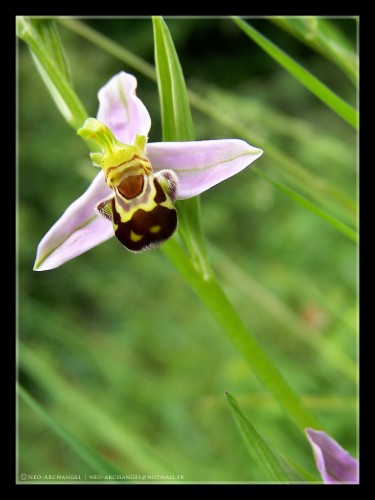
<point>333,462</point>
<point>78,229</point>
<point>121,110</point>
<point>201,164</point>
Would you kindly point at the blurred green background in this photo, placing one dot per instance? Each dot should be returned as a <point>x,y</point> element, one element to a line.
<point>114,346</point>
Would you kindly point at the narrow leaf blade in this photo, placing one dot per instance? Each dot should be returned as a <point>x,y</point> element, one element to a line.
<point>293,195</point>
<point>325,37</point>
<point>269,462</point>
<point>49,59</point>
<point>88,455</point>
<point>320,90</point>
<point>176,114</point>
<point>48,32</point>
<point>178,125</point>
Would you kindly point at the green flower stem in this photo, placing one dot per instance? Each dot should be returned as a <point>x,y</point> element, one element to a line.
<point>213,297</point>
<point>178,126</point>
<point>190,230</point>
<point>320,90</point>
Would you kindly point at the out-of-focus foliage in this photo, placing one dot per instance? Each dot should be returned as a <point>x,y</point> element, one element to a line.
<point>114,346</point>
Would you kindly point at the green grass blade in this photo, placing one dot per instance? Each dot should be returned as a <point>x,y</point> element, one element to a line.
<point>302,75</point>
<point>51,67</point>
<point>109,46</point>
<point>177,122</point>
<point>285,163</point>
<point>268,460</point>
<point>87,454</point>
<point>177,125</point>
<point>324,37</point>
<point>340,226</point>
<point>49,34</point>
<point>89,413</point>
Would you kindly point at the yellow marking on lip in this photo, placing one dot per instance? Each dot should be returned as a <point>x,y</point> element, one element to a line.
<point>135,237</point>
<point>155,229</point>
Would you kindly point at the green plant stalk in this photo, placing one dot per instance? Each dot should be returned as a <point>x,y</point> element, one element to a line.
<point>213,297</point>
<point>178,125</point>
<point>320,90</point>
<point>306,180</point>
<point>88,455</point>
<point>189,216</point>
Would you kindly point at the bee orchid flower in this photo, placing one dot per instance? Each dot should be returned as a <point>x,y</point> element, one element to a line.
<point>133,195</point>
<point>334,464</point>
